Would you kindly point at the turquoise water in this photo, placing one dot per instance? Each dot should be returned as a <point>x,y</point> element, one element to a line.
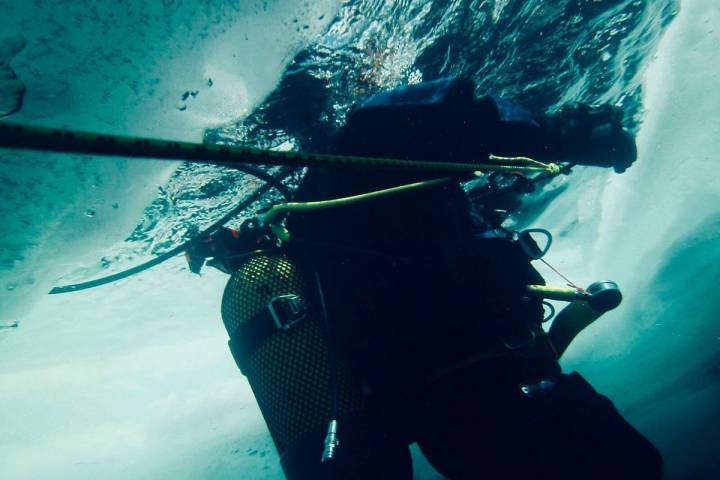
<point>134,379</point>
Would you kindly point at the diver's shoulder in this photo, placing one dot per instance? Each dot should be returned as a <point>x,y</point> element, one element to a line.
<point>433,92</point>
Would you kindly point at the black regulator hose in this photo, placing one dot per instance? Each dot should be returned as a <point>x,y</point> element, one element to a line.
<point>249,200</point>
<point>264,176</point>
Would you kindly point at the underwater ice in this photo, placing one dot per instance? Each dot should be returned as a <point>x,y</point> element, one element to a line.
<point>134,380</point>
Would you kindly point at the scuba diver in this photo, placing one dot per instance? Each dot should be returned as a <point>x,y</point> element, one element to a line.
<point>406,317</point>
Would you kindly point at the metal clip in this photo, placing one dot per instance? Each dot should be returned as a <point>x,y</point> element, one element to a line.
<point>331,442</point>
<point>538,389</point>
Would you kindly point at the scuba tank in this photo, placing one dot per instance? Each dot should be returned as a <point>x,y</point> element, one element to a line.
<point>271,311</point>
<point>274,313</point>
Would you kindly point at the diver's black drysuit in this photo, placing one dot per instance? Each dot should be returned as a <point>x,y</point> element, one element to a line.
<point>428,309</point>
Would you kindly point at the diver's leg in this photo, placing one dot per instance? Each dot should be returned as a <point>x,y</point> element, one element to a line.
<point>570,432</point>
<point>592,438</point>
<point>467,434</point>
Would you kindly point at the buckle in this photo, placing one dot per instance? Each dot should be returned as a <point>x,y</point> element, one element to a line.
<point>287,310</point>
<point>539,389</point>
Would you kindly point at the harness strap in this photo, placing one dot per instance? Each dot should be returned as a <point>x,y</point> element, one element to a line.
<point>492,353</point>
<point>279,315</point>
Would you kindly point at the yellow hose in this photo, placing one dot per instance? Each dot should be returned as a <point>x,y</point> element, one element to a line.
<point>272,217</point>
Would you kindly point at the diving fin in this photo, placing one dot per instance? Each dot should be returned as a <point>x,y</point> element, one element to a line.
<point>12,89</point>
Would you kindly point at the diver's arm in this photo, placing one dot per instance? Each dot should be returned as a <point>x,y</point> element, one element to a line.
<point>442,120</point>
<point>577,133</point>
<point>592,135</point>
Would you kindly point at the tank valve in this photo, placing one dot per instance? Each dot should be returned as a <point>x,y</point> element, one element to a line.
<point>331,442</point>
